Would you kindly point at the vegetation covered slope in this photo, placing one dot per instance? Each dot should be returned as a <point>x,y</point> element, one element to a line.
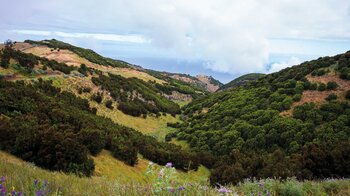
<point>19,176</point>
<point>242,80</point>
<point>82,52</point>
<point>243,132</point>
<point>57,130</point>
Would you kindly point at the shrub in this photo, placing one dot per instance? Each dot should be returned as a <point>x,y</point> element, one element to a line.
<point>83,69</point>
<point>332,85</point>
<point>319,72</point>
<point>321,87</point>
<point>109,104</point>
<point>331,97</point>
<point>297,97</point>
<point>347,95</point>
<point>97,97</point>
<point>313,86</point>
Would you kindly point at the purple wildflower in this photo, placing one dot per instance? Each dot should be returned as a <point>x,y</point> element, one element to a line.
<point>3,191</point>
<point>0,186</point>
<point>168,165</point>
<point>20,194</point>
<point>39,193</point>
<point>2,179</point>
<point>13,192</point>
<point>171,190</point>
<point>224,190</point>
<point>268,193</point>
<point>36,181</point>
<point>181,188</point>
<point>259,194</point>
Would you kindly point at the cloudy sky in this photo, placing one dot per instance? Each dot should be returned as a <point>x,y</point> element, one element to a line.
<point>222,38</point>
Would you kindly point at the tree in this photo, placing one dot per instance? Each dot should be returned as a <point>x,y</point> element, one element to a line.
<point>331,97</point>
<point>83,69</point>
<point>97,97</point>
<point>109,104</point>
<point>332,85</point>
<point>347,95</point>
<point>321,87</point>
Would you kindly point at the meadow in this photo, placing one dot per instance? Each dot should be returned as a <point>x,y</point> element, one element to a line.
<point>21,178</point>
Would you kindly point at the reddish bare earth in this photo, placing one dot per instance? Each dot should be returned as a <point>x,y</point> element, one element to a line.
<point>319,97</point>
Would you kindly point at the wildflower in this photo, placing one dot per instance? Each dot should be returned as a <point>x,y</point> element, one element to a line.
<point>171,190</point>
<point>20,194</point>
<point>3,191</point>
<point>268,193</point>
<point>39,193</point>
<point>168,165</point>
<point>150,163</point>
<point>2,179</point>
<point>261,185</point>
<point>13,192</point>
<point>36,181</point>
<point>181,188</point>
<point>224,190</point>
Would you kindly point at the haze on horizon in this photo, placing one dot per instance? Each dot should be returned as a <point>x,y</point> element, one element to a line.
<point>220,38</point>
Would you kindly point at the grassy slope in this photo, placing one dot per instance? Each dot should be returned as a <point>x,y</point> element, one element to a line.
<point>150,125</point>
<point>70,58</point>
<point>21,176</point>
<point>112,169</point>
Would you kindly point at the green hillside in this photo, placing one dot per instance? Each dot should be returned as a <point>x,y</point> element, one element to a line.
<point>242,80</point>
<point>290,123</point>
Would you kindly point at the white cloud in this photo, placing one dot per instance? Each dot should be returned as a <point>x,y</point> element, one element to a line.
<point>97,36</point>
<point>281,65</point>
<point>233,36</point>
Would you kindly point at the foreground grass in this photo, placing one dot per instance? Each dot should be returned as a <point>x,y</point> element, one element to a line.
<point>21,176</point>
<point>110,168</point>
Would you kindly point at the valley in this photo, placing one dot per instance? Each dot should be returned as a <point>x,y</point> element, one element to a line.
<point>68,113</point>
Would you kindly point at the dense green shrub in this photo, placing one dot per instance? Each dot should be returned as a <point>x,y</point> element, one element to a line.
<point>97,97</point>
<point>109,104</point>
<point>321,87</point>
<point>332,85</point>
<point>331,97</point>
<point>347,94</point>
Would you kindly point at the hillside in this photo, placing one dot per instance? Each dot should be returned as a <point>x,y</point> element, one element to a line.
<point>241,80</point>
<point>145,93</point>
<point>56,114</point>
<point>291,123</point>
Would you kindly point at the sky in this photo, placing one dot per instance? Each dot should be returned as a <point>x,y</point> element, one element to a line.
<point>222,38</point>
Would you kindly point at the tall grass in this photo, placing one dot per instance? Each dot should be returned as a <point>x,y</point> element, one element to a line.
<point>25,177</point>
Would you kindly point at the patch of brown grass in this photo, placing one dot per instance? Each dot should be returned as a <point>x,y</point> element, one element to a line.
<point>70,58</point>
<point>319,97</point>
